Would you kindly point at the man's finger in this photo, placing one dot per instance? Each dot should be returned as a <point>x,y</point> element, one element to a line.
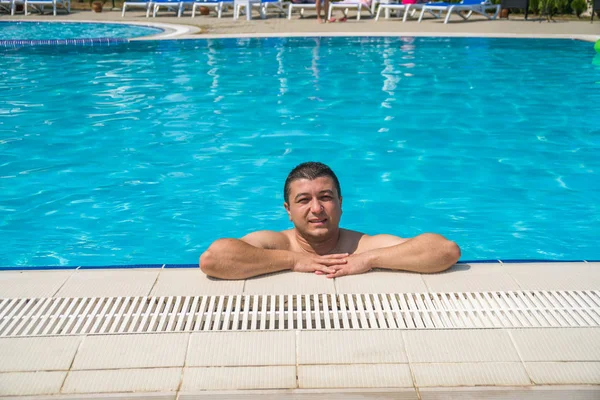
<point>333,261</point>
<point>334,256</point>
<point>337,274</point>
<point>323,269</point>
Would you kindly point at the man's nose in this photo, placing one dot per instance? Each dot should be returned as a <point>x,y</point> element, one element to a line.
<point>316,207</point>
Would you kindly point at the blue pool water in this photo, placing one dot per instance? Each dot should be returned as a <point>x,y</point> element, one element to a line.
<point>146,152</point>
<point>71,30</point>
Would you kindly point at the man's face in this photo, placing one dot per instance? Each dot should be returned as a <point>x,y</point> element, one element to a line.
<point>314,207</point>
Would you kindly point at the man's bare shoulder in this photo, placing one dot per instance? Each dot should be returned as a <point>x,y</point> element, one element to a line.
<point>270,240</point>
<point>373,242</point>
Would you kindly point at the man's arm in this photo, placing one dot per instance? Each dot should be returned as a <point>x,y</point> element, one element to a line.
<point>426,253</point>
<point>261,253</point>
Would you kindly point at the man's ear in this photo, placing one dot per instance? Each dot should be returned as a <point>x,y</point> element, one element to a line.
<point>340,203</point>
<point>287,209</point>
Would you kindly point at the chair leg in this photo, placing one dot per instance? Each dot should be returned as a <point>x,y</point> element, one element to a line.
<point>378,12</point>
<point>406,10</point>
<point>329,13</point>
<point>448,14</point>
<point>421,16</point>
<point>358,12</point>
<point>123,13</point>
<point>290,12</point>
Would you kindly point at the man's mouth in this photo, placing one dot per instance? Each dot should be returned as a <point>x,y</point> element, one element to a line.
<point>318,221</point>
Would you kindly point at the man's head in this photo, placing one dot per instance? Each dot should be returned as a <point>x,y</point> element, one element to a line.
<point>313,200</point>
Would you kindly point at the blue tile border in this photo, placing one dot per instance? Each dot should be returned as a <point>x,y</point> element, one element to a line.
<point>63,42</point>
<point>181,266</point>
<point>190,266</point>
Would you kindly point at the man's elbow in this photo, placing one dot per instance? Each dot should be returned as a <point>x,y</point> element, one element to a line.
<point>451,255</point>
<point>209,262</point>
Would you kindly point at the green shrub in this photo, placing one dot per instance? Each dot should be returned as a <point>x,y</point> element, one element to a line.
<point>578,6</point>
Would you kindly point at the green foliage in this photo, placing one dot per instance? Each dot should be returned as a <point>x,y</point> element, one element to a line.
<point>549,7</point>
<point>579,6</point>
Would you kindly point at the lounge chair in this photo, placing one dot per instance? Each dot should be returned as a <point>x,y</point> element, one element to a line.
<point>147,4</point>
<point>218,5</point>
<point>39,5</point>
<point>8,6</point>
<point>406,7</point>
<point>472,6</point>
<point>302,7</point>
<point>347,4</point>
<point>177,6</point>
<point>261,4</point>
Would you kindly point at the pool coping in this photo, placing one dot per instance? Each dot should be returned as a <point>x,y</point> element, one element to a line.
<point>190,32</point>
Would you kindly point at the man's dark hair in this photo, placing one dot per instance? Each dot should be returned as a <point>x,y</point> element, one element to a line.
<point>309,170</point>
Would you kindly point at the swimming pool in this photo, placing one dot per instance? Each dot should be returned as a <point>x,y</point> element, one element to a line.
<point>71,30</point>
<point>146,152</point>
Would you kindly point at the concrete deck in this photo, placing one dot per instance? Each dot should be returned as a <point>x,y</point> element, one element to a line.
<point>411,364</point>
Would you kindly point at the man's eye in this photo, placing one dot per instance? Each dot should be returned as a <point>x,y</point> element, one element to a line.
<point>303,201</point>
<point>327,198</point>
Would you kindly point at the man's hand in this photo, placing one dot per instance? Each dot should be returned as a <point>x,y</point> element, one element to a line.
<point>319,264</point>
<point>357,264</point>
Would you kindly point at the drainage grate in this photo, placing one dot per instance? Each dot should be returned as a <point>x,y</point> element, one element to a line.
<point>114,315</point>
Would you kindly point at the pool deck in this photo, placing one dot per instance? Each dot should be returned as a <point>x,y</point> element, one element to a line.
<point>527,363</point>
<point>210,26</point>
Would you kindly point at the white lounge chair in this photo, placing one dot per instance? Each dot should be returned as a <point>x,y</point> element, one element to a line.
<point>218,5</point>
<point>471,6</point>
<point>178,6</point>
<point>147,4</point>
<point>8,6</point>
<point>408,7</point>
<point>261,4</point>
<point>39,5</point>
<point>302,7</point>
<point>347,4</point>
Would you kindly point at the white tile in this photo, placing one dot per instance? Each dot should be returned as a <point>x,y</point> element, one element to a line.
<point>470,374</point>
<point>229,378</point>
<point>564,373</point>
<point>482,277</point>
<point>558,344</point>
<point>193,282</point>
<point>31,383</point>
<point>289,283</point>
<point>381,281</point>
<point>132,351</point>
<point>354,376</point>
<point>31,283</point>
<point>242,348</point>
<point>109,283</point>
<point>459,346</point>
<point>351,347</point>
<point>35,354</point>
<point>554,276</point>
<point>302,394</point>
<point>123,380</point>
<point>528,393</point>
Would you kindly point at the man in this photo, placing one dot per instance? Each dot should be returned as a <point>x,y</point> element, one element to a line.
<point>325,5</point>
<point>313,201</point>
